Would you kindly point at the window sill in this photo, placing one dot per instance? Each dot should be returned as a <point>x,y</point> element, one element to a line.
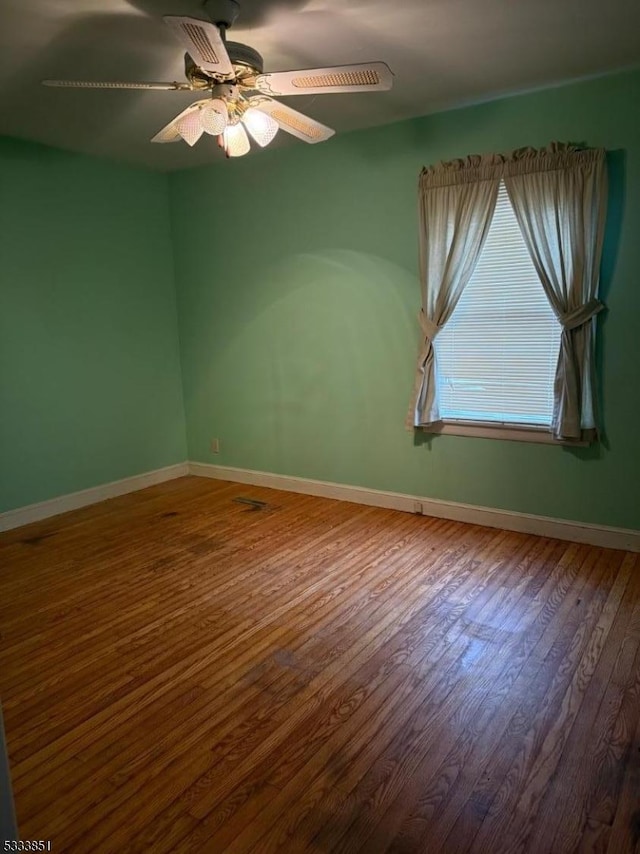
<point>509,432</point>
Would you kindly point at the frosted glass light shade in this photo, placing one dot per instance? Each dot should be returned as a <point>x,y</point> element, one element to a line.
<point>236,141</point>
<point>261,126</point>
<point>190,128</point>
<point>214,117</point>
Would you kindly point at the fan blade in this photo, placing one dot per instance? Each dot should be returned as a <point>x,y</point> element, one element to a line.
<point>91,84</point>
<point>292,121</point>
<point>203,43</point>
<point>170,133</point>
<point>364,77</point>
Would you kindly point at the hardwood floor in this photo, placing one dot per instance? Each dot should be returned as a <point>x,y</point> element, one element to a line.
<point>181,672</point>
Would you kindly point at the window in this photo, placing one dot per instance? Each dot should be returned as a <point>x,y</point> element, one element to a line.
<point>496,357</point>
<point>489,362</point>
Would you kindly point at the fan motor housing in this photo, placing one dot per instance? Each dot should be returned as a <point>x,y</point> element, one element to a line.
<point>247,62</point>
<point>245,56</point>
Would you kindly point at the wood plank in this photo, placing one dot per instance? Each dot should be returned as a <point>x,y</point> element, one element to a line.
<point>519,753</point>
<point>581,771</point>
<point>224,776</point>
<point>429,803</point>
<point>182,673</point>
<point>422,715</point>
<point>544,766</point>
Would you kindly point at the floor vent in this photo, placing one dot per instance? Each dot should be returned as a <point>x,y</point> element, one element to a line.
<point>252,503</point>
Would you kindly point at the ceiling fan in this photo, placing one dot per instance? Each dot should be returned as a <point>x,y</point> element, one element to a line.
<point>239,95</point>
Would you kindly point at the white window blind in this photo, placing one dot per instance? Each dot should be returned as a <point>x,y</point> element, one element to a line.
<point>497,355</point>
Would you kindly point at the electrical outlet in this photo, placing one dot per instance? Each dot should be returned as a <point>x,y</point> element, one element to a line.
<point>417,508</point>
<point>215,446</point>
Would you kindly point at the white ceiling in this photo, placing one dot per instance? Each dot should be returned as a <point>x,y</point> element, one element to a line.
<point>443,53</point>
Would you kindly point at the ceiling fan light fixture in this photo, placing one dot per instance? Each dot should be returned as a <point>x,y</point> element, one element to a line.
<point>214,117</point>
<point>190,127</point>
<point>236,142</point>
<point>240,96</point>
<point>261,126</point>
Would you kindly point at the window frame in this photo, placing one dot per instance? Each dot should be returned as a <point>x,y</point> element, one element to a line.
<point>495,429</point>
<point>500,430</point>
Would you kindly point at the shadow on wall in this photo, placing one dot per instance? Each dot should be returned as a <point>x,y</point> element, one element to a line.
<point>313,358</point>
<point>616,165</point>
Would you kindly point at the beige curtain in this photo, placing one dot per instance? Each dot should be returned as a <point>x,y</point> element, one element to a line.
<point>559,197</point>
<point>456,205</point>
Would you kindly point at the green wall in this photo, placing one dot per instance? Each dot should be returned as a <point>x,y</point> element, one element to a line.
<point>296,275</point>
<point>90,387</point>
<point>297,296</point>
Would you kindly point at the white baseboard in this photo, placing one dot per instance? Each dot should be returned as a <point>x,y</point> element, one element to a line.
<point>544,526</point>
<point>74,500</point>
<point>526,523</point>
